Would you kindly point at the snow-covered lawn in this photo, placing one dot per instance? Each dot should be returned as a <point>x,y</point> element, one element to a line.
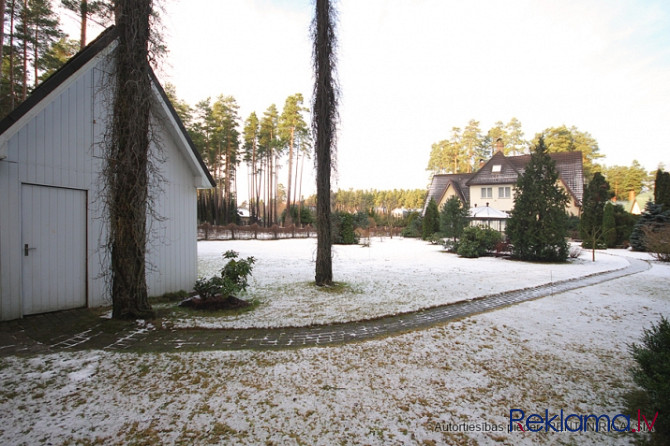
<point>564,352</point>
<point>389,277</point>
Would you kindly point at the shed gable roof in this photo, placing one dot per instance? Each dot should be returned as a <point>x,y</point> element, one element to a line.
<point>15,119</point>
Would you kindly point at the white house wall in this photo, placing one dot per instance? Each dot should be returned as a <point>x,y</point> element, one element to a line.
<point>172,252</point>
<point>501,204</point>
<point>10,244</point>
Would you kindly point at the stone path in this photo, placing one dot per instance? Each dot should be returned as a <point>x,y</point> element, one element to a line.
<point>80,329</point>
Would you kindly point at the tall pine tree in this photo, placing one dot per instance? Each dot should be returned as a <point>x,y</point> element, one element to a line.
<point>453,218</point>
<point>291,126</point>
<point>537,227</point>
<point>597,193</point>
<point>127,168</point>
<point>431,221</point>
<point>324,127</point>
<point>609,226</point>
<point>662,189</point>
<point>88,10</point>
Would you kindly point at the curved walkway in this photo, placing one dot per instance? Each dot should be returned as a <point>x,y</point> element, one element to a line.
<point>115,336</point>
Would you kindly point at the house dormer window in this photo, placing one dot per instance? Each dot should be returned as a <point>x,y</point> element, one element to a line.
<point>496,168</point>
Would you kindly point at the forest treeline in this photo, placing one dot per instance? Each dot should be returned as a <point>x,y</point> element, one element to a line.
<point>265,144</point>
<point>33,44</point>
<point>463,151</point>
<point>381,201</point>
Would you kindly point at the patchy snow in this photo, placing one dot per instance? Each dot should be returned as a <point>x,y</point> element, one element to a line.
<point>391,276</point>
<point>563,352</point>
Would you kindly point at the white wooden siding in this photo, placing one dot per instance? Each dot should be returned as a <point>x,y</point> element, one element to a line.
<point>56,145</point>
<point>10,242</point>
<point>172,252</point>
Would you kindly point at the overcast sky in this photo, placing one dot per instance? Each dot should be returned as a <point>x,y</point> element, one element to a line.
<point>410,70</point>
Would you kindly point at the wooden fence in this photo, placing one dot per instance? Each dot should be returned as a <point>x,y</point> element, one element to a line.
<point>256,232</point>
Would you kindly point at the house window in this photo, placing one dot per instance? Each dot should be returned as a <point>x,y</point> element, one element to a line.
<point>487,192</point>
<point>504,192</point>
<point>496,168</point>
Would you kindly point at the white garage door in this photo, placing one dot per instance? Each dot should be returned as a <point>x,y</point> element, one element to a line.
<point>53,248</point>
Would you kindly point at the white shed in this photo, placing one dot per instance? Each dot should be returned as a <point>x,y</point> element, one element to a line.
<point>52,222</point>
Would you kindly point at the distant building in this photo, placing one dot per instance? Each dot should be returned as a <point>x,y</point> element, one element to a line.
<point>245,215</point>
<point>492,186</point>
<point>635,203</point>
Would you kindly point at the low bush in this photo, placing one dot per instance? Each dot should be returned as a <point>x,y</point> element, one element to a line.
<point>477,241</point>
<point>436,239</point>
<point>657,241</point>
<point>233,278</point>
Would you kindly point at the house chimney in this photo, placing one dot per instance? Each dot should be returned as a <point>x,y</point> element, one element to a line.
<point>499,146</point>
<point>631,196</point>
<point>481,162</point>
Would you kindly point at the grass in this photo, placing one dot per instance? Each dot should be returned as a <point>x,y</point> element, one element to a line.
<point>335,288</point>
<point>171,311</point>
<point>177,296</point>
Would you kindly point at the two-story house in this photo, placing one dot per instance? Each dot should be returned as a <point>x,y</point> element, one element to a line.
<point>492,186</point>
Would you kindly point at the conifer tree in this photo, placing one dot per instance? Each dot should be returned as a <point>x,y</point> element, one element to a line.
<point>291,126</point>
<point>128,165</point>
<point>453,218</point>
<point>597,193</point>
<point>609,226</point>
<point>431,221</point>
<point>662,189</point>
<point>537,227</point>
<point>268,149</point>
<point>250,136</point>
<point>87,10</point>
<point>324,127</point>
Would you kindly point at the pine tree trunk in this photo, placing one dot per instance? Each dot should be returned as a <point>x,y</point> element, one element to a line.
<point>2,34</point>
<point>295,180</point>
<point>128,163</point>
<point>289,220</point>
<point>275,212</point>
<point>302,165</point>
<point>84,19</point>
<point>12,80</point>
<point>36,55</point>
<point>226,187</point>
<point>324,125</point>
<point>24,91</point>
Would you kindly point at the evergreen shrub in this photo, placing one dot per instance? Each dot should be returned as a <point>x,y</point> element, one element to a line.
<point>652,373</point>
<point>476,241</point>
<point>343,233</point>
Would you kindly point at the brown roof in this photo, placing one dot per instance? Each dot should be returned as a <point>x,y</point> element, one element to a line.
<point>570,170</point>
<point>441,182</point>
<point>508,173</point>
